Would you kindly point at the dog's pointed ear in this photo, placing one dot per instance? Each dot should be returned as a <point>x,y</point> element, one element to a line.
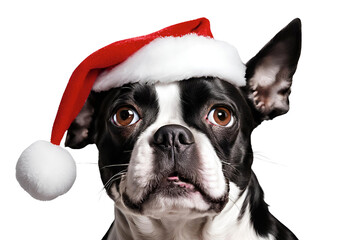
<point>269,74</point>
<point>80,132</point>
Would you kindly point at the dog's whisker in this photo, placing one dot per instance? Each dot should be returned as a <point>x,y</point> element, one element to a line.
<point>234,202</point>
<point>260,157</point>
<point>225,162</point>
<point>110,183</point>
<point>128,151</point>
<point>115,165</point>
<point>233,166</point>
<point>91,163</point>
<point>113,178</point>
<point>108,186</point>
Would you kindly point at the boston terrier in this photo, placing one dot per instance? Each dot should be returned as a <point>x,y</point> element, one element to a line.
<point>176,157</point>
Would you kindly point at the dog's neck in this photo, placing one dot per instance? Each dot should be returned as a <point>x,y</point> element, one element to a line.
<point>232,223</point>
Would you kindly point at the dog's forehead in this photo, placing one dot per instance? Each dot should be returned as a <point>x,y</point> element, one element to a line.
<point>196,88</point>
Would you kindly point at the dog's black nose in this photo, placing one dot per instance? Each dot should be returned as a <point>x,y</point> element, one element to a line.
<point>173,136</point>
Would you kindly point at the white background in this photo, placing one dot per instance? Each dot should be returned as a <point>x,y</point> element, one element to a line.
<point>307,161</point>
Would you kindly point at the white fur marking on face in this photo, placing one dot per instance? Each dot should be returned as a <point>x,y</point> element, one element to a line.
<point>211,168</point>
<point>140,170</point>
<point>170,104</point>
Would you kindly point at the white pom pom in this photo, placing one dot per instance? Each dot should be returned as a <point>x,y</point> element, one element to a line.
<point>45,170</point>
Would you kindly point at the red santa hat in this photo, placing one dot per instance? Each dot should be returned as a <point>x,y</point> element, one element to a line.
<point>179,52</point>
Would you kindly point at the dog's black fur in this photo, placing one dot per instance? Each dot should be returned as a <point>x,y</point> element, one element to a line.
<point>250,105</point>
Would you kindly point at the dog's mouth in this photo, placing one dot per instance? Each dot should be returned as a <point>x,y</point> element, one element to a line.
<point>176,187</point>
<point>176,184</point>
<point>173,185</point>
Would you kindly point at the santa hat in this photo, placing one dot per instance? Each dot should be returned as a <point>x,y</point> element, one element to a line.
<point>179,52</point>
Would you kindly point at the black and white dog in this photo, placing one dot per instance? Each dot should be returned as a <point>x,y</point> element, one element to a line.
<point>176,157</point>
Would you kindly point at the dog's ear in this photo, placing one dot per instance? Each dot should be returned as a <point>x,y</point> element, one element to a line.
<point>269,74</point>
<point>80,132</point>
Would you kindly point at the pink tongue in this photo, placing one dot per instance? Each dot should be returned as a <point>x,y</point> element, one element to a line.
<point>174,178</point>
<point>176,181</point>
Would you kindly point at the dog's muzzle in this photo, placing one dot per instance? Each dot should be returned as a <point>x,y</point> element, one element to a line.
<point>179,176</point>
<point>175,151</point>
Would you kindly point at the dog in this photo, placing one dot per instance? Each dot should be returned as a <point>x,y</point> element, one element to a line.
<point>176,157</point>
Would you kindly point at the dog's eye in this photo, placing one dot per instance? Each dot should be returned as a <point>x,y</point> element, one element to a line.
<point>125,116</point>
<point>221,116</point>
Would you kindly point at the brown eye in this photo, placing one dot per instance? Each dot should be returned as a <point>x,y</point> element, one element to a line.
<point>125,116</point>
<point>221,116</point>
